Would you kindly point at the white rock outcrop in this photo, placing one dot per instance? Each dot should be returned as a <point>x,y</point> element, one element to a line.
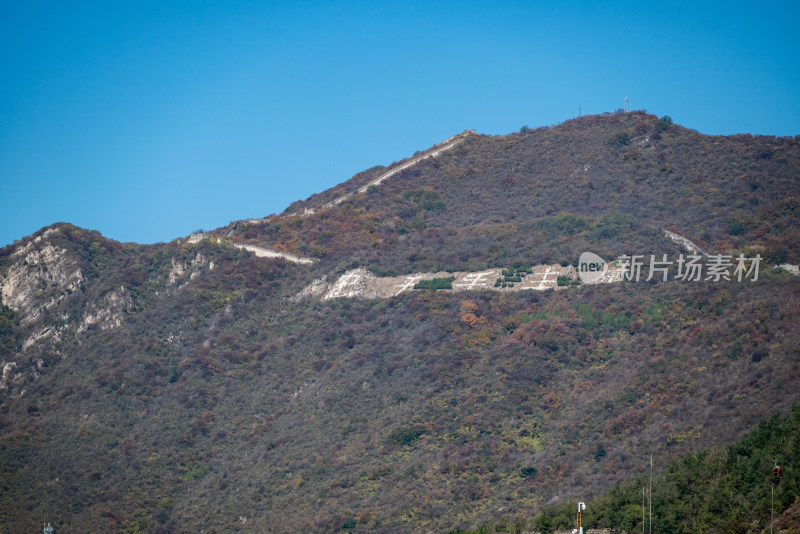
<point>40,276</point>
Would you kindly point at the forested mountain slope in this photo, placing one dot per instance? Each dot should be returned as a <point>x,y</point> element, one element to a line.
<point>182,386</point>
<point>731,489</point>
<point>723,193</point>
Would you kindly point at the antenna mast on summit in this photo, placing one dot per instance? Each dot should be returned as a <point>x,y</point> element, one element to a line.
<point>626,105</point>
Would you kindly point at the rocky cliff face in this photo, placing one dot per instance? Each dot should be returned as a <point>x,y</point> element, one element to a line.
<point>40,276</point>
<point>64,283</point>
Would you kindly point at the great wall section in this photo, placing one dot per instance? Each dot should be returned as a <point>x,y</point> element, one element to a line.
<point>432,152</point>
<point>263,252</point>
<point>360,283</point>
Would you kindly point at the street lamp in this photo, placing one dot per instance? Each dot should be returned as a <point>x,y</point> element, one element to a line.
<point>579,524</point>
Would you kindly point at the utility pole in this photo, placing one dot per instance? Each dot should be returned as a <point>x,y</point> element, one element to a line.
<point>777,473</point>
<point>651,487</point>
<point>579,521</point>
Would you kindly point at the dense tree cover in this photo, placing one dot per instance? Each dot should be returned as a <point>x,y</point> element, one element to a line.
<point>8,325</point>
<point>424,411</point>
<point>722,489</point>
<point>387,251</point>
<point>219,402</point>
<point>477,204</point>
<point>436,283</point>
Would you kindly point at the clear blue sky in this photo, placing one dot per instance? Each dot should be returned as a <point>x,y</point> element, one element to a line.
<point>147,120</point>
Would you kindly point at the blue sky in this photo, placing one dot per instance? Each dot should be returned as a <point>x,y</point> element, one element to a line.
<point>148,120</point>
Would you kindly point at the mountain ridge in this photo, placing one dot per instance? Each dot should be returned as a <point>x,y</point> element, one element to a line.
<point>187,388</point>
